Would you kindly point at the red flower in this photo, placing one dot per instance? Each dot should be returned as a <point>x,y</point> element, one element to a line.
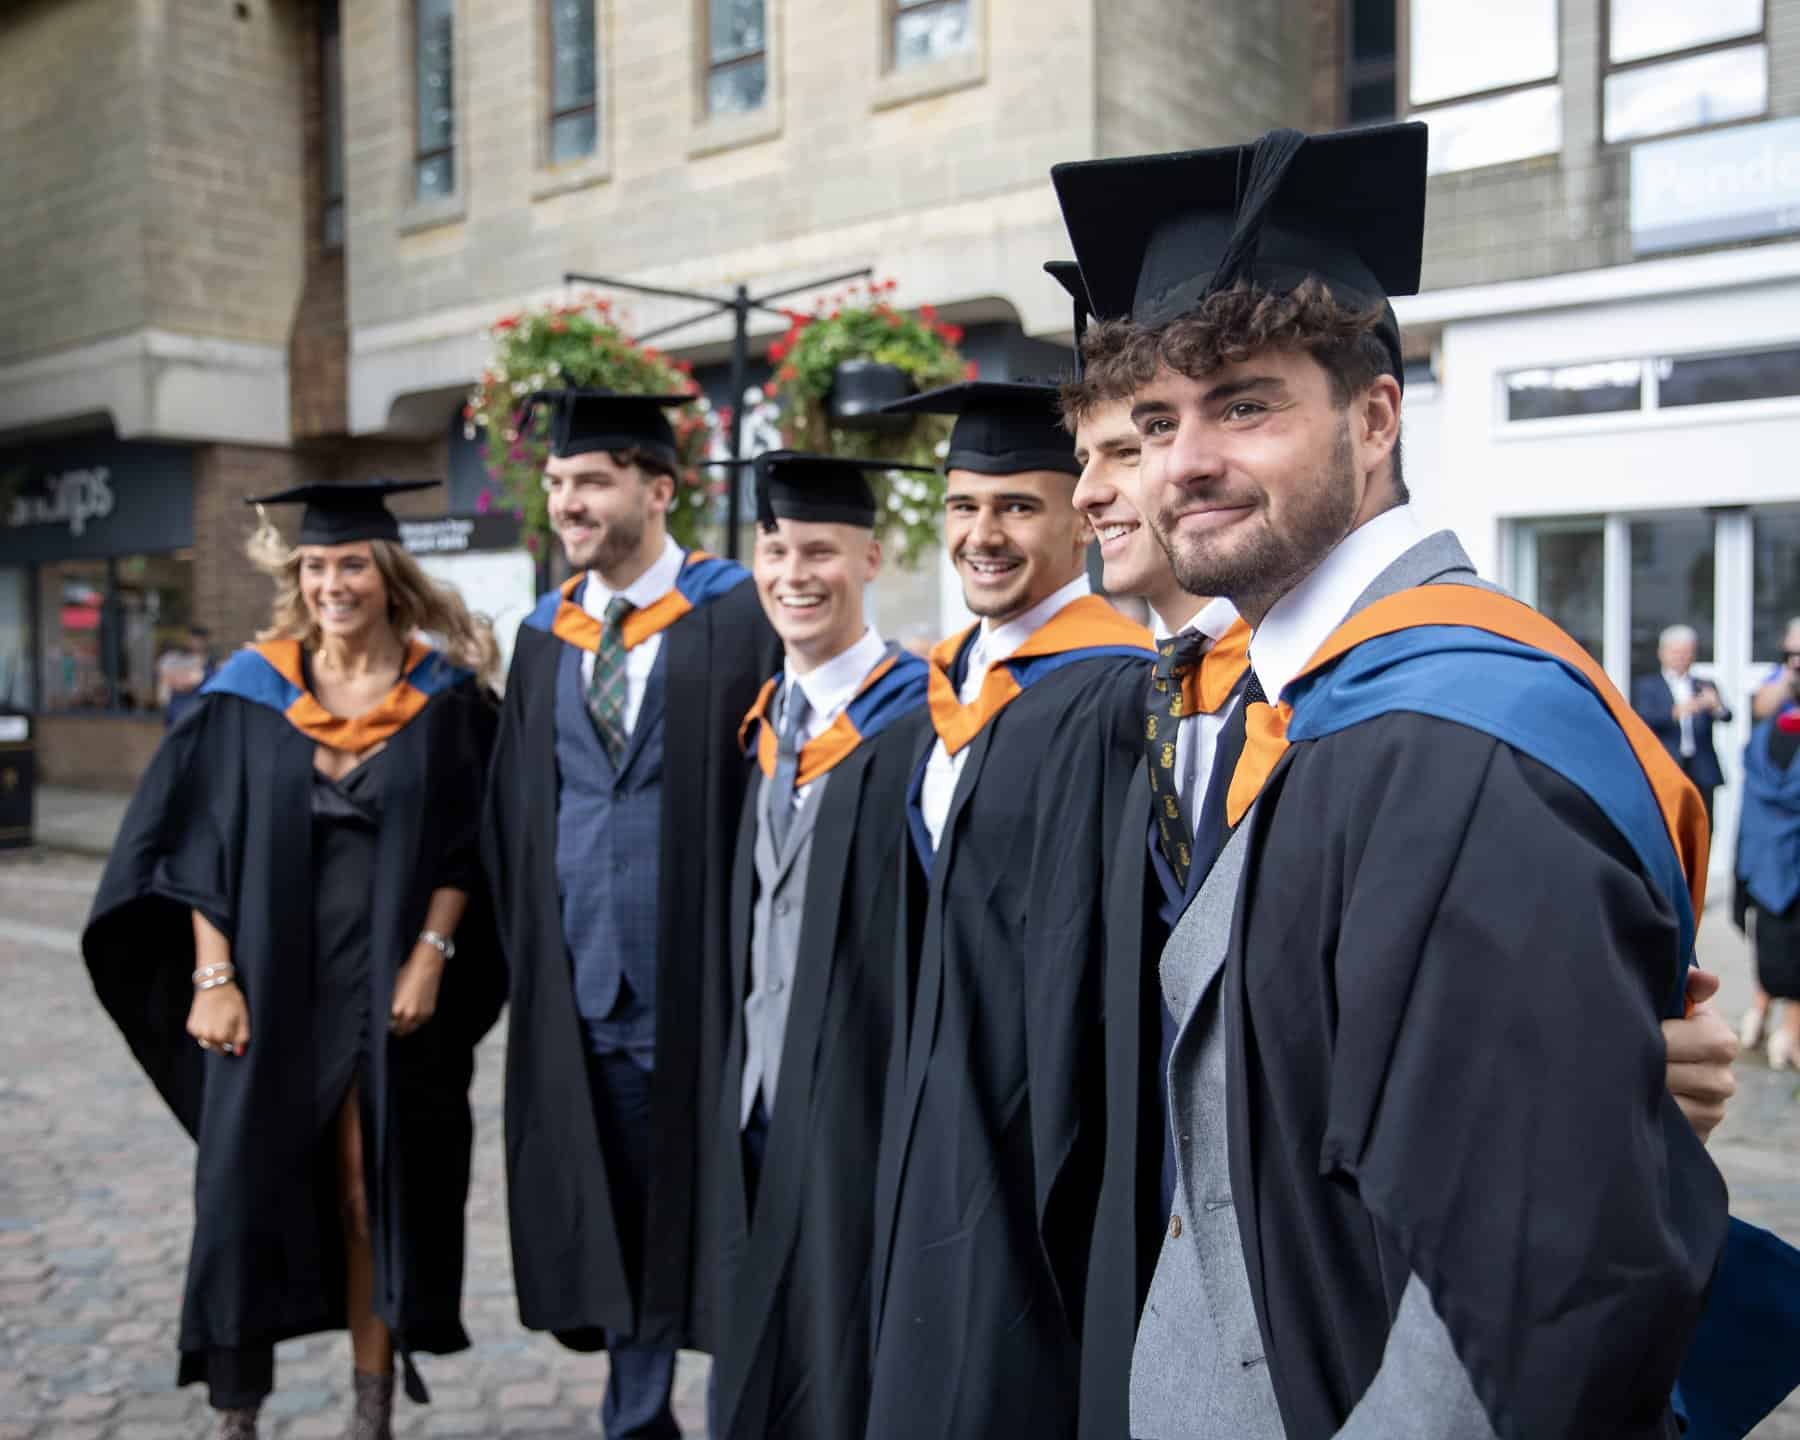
<point>778,351</point>
<point>787,372</point>
<point>894,322</point>
<point>834,314</point>
<point>928,313</point>
<point>468,412</point>
<point>506,322</point>
<point>950,334</point>
<point>971,371</point>
<point>558,325</point>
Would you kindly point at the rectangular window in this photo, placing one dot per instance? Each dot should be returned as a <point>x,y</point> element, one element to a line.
<point>737,60</point>
<point>1671,582</point>
<point>927,30</point>
<point>1552,393</point>
<point>1569,563</point>
<point>17,692</point>
<point>1485,78</point>
<point>106,625</point>
<point>434,156</point>
<point>1681,65</point>
<point>574,81</point>
<point>1371,71</point>
<point>331,128</point>
<point>1775,568</point>
<point>1721,379</point>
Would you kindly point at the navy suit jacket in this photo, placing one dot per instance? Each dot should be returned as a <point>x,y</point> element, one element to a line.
<point>1655,704</point>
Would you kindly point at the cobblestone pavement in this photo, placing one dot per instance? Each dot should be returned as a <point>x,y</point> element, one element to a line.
<point>95,1211</point>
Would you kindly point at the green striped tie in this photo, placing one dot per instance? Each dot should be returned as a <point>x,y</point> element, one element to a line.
<point>606,690</point>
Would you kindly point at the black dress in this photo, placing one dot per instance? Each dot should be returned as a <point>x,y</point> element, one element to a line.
<point>346,819</point>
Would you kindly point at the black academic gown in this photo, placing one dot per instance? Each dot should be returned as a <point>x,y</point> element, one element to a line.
<point>568,1268</point>
<point>791,1360</point>
<point>990,1157</point>
<point>1130,1218</point>
<point>1444,958</point>
<point>222,823</point>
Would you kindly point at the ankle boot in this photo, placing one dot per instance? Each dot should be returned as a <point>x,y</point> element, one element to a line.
<point>374,1407</point>
<point>237,1424</point>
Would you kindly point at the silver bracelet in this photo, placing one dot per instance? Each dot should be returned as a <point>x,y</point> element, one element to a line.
<point>443,944</point>
<point>216,982</point>
<point>206,972</point>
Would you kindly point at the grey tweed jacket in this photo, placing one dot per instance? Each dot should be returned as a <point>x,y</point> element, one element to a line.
<point>1198,1371</point>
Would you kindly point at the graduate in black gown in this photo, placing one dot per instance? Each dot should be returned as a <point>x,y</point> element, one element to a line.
<point>813,955</point>
<point>990,1148</point>
<point>1423,1043</point>
<point>293,935</point>
<point>615,795</point>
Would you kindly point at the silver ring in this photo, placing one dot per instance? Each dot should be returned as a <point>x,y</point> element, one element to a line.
<point>206,1045</point>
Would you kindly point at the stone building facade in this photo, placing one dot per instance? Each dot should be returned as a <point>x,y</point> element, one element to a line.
<point>251,242</point>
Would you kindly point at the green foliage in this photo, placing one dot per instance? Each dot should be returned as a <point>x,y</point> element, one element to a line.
<point>867,327</point>
<point>577,344</point>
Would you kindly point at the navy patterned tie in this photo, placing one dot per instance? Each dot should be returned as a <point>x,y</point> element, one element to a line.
<point>606,690</point>
<point>1175,658</point>
<point>787,764</point>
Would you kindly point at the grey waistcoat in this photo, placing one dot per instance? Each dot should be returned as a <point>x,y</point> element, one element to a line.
<point>775,941</point>
<point>1197,1371</point>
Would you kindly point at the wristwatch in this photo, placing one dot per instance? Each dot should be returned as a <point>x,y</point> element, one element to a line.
<point>441,943</point>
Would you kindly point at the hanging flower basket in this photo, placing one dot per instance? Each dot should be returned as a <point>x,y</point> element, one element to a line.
<point>577,344</point>
<point>838,343</point>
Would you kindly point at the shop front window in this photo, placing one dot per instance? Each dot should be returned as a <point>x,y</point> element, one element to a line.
<point>1671,583</point>
<point>105,624</point>
<point>1776,568</point>
<point>16,689</point>
<point>1570,572</point>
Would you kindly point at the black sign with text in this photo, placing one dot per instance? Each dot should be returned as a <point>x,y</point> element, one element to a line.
<point>77,499</point>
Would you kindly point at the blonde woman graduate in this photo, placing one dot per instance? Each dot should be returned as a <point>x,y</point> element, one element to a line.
<point>293,936</point>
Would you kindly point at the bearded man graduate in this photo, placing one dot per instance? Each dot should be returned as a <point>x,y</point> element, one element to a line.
<point>990,1144</point>
<point>1143,906</point>
<point>814,946</point>
<point>616,785</point>
<point>1425,1053</point>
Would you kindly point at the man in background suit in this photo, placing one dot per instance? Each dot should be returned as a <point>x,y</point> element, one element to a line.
<point>1681,709</point>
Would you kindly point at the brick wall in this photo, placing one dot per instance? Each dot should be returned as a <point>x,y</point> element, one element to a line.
<point>318,348</point>
<point>72,171</point>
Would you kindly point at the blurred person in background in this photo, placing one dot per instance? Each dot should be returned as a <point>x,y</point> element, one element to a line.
<point>1681,709</point>
<point>1768,879</point>
<point>300,866</point>
<point>1778,694</point>
<point>181,673</point>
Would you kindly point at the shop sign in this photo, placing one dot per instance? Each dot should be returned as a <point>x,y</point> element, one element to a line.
<point>460,534</point>
<point>1740,183</point>
<point>71,498</point>
<point>74,500</point>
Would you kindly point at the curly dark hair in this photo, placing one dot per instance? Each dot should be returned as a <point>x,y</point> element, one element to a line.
<point>1120,357</point>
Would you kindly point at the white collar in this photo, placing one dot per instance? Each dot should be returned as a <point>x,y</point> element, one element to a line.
<point>1671,679</point>
<point>830,687</point>
<point>1216,617</point>
<point>647,589</point>
<point>996,642</point>
<point>1299,621</point>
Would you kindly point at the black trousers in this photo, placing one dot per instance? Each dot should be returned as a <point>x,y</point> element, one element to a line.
<point>1689,763</point>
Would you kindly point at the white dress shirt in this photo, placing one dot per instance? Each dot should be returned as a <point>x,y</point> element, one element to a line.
<point>1299,621</point>
<point>647,589</point>
<point>829,688</point>
<point>992,643</point>
<point>1197,736</point>
<point>1682,688</point>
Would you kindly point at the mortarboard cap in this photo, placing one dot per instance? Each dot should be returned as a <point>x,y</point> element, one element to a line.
<point>584,420</point>
<point>1155,235</point>
<point>340,514</point>
<point>824,489</point>
<point>1067,274</point>
<point>1002,427</point>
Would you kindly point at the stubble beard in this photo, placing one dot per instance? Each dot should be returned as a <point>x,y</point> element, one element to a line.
<point>1256,570</point>
<point>620,539</point>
